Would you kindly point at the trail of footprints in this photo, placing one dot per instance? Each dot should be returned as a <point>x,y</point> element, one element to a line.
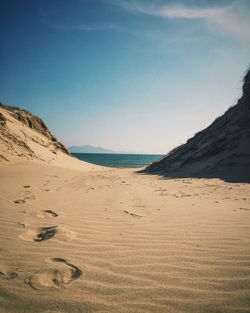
<point>59,272</point>
<point>26,195</point>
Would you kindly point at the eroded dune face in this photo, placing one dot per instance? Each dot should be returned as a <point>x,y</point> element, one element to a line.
<point>221,150</point>
<point>24,136</point>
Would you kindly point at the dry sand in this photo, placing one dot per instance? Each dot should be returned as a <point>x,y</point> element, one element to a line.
<point>110,240</point>
<point>75,237</point>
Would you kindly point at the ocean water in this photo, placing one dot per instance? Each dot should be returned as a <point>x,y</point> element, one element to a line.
<point>118,160</point>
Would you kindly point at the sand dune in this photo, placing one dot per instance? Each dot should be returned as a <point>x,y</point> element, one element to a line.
<point>25,137</point>
<point>222,150</point>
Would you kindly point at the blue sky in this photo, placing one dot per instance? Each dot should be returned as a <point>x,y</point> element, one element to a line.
<point>140,76</point>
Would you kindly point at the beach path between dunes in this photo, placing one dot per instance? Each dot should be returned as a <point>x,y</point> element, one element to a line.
<point>112,240</point>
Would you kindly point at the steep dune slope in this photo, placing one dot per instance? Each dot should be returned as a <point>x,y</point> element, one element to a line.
<point>221,150</point>
<point>24,136</point>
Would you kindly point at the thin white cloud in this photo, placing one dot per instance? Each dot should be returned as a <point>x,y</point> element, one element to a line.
<point>189,13</point>
<point>233,18</point>
<point>171,11</point>
<point>83,27</point>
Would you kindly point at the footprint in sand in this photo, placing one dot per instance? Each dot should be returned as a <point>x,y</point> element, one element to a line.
<point>45,233</point>
<point>7,274</point>
<point>133,214</point>
<point>59,273</point>
<point>22,224</point>
<point>39,234</point>
<point>29,195</point>
<point>244,209</point>
<point>19,201</point>
<point>47,213</point>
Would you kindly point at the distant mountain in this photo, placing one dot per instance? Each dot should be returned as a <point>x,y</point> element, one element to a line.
<point>89,149</point>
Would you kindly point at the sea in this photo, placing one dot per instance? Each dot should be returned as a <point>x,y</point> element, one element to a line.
<point>118,160</point>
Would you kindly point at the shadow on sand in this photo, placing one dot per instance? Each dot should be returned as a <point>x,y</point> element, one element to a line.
<point>237,175</point>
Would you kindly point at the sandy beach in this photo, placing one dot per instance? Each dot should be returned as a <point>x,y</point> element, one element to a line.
<point>77,237</point>
<point>111,240</point>
<point>125,156</point>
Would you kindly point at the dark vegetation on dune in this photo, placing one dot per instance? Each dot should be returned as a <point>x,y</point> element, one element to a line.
<point>222,150</point>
